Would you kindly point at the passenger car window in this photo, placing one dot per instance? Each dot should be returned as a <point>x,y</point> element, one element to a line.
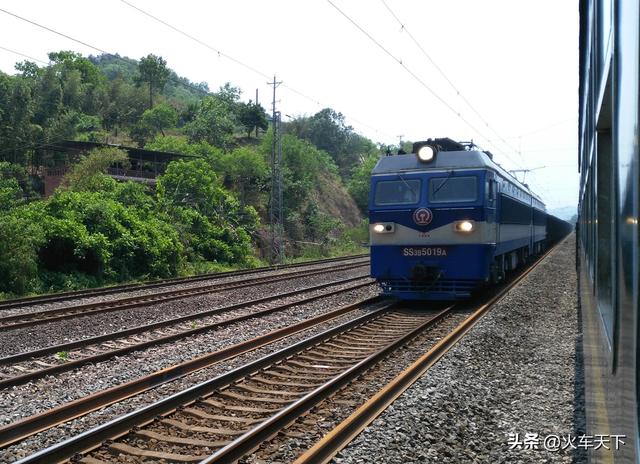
<point>453,189</point>
<point>397,192</point>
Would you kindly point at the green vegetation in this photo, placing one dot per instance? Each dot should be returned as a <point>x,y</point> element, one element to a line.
<point>61,355</point>
<point>207,212</point>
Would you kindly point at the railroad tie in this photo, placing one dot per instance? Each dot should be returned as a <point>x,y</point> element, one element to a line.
<point>121,448</point>
<point>217,417</point>
<point>266,392</point>
<point>198,428</point>
<point>254,399</point>
<point>147,434</point>
<point>231,407</point>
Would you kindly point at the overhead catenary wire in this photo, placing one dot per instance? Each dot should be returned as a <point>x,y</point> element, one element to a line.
<point>418,79</point>
<point>451,84</point>
<point>241,63</point>
<point>432,92</point>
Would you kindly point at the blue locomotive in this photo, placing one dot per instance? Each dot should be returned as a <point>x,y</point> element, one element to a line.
<point>446,219</point>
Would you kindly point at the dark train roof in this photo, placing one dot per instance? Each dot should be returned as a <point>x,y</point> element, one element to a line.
<point>445,161</point>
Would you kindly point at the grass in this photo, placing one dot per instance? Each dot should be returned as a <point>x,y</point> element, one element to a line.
<point>61,355</point>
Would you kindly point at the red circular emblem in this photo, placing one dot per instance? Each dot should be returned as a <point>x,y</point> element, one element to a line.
<point>422,216</point>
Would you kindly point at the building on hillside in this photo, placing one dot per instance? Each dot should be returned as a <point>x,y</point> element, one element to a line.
<point>56,159</point>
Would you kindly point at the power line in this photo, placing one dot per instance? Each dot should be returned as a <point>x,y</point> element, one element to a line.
<point>23,55</point>
<point>239,62</point>
<point>176,79</point>
<point>417,78</point>
<point>442,73</point>
<point>204,44</point>
<point>545,128</point>
<point>53,31</point>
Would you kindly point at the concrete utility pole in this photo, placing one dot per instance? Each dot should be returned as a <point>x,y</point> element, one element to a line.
<point>275,212</point>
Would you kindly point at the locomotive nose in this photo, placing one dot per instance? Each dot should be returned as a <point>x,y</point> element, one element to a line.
<point>424,274</point>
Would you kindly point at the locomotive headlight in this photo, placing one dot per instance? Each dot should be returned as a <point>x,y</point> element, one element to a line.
<point>426,153</point>
<point>384,228</point>
<point>464,226</point>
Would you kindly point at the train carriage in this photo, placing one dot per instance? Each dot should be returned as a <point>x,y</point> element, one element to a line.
<point>608,241</point>
<point>446,219</point>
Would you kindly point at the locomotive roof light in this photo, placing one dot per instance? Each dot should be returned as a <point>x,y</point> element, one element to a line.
<point>464,226</point>
<point>426,150</point>
<point>426,153</point>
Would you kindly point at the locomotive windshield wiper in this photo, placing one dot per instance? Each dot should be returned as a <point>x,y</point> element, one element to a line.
<point>413,192</point>
<point>443,182</point>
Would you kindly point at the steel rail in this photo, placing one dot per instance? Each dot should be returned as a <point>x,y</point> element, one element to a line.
<point>88,293</point>
<point>75,363</point>
<point>86,309</point>
<point>247,442</point>
<point>338,438</point>
<point>93,438</point>
<point>24,428</point>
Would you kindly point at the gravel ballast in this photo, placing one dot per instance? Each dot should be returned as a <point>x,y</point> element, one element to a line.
<point>142,290</point>
<point>43,394</point>
<point>514,373</point>
<point>30,338</point>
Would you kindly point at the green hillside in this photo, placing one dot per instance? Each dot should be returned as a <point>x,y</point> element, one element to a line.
<point>208,212</point>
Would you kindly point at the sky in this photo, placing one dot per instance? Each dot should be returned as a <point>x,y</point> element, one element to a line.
<point>503,73</point>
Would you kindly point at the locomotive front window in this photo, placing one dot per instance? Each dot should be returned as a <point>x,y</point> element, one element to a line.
<point>397,192</point>
<point>453,189</point>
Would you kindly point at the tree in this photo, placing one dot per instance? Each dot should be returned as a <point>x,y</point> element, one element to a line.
<point>18,258</point>
<point>16,112</point>
<point>193,184</point>
<point>153,71</point>
<point>229,95</point>
<point>328,131</point>
<point>252,116</point>
<point>247,173</point>
<point>28,69</point>
<point>84,176</point>
<point>125,106</point>
<point>211,219</point>
<point>360,182</point>
<point>212,123</point>
<point>67,60</point>
<point>159,118</point>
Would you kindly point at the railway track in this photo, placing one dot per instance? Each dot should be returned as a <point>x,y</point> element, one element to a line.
<point>343,433</point>
<point>62,296</point>
<point>27,366</point>
<point>85,309</point>
<point>230,416</point>
<point>224,418</point>
<point>28,426</point>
